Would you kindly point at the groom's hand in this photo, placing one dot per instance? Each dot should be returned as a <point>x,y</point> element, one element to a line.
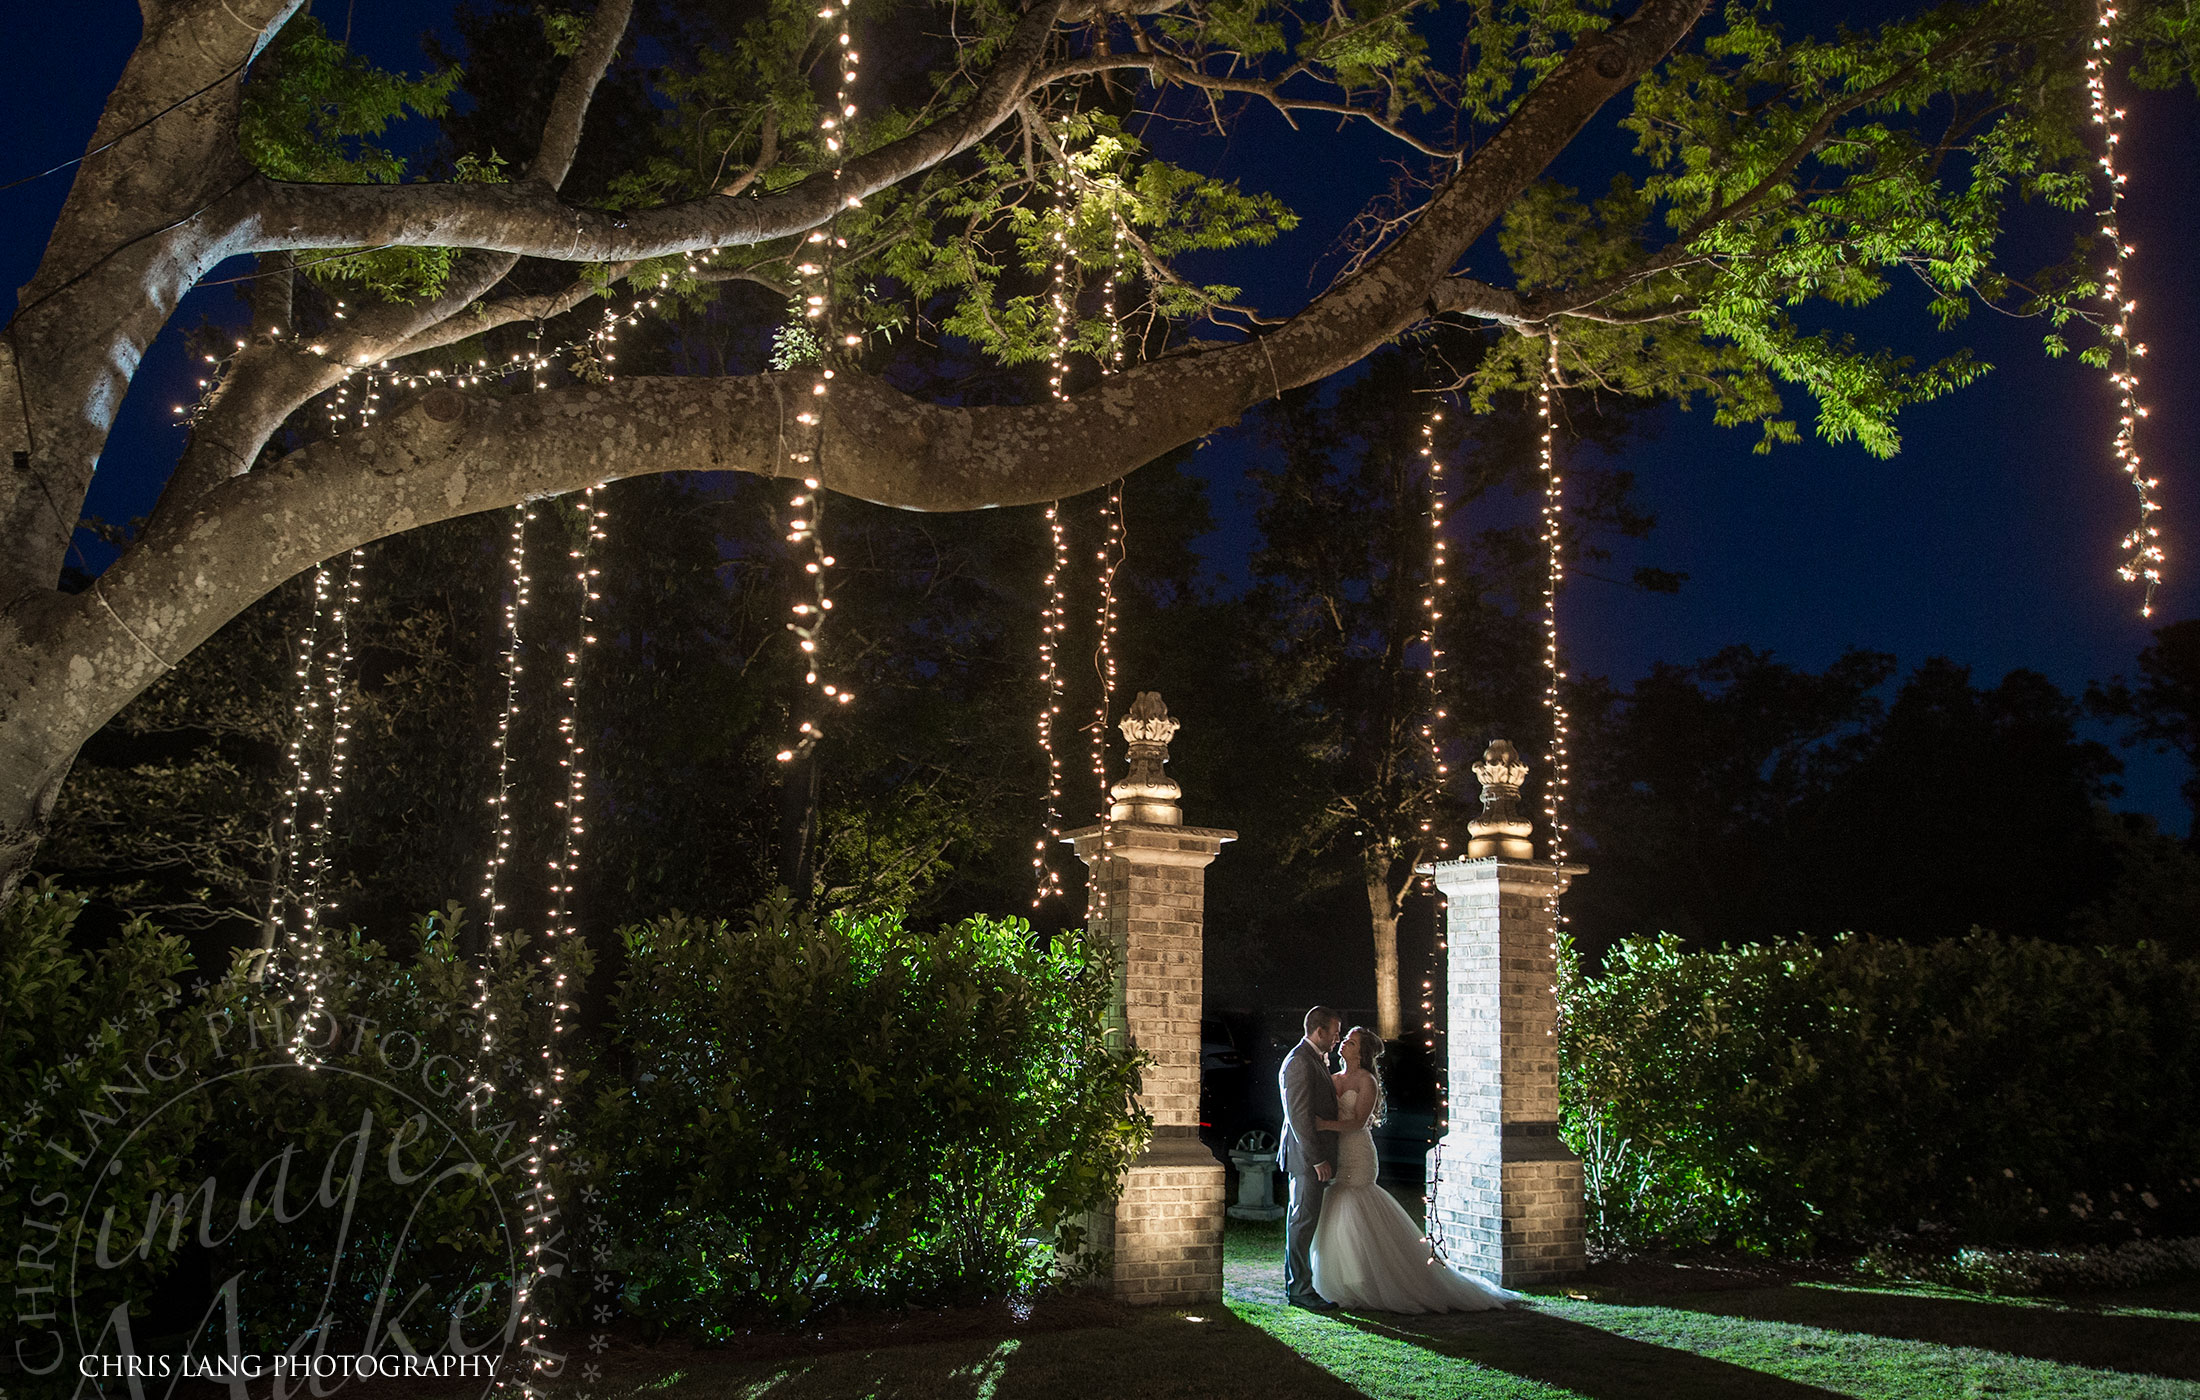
<point>1323,1171</point>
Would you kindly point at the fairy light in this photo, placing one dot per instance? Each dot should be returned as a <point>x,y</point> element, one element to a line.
<point>1554,792</point>
<point>518,589</point>
<point>314,902</point>
<point>1110,559</point>
<point>1059,295</point>
<point>1432,603</point>
<point>559,929</point>
<point>1053,622</point>
<point>804,527</point>
<point>304,712</point>
<point>2141,548</point>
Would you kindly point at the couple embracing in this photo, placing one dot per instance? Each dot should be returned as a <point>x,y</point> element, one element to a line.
<point>1346,1242</point>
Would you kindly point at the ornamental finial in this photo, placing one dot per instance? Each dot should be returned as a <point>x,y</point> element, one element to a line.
<point>1501,830</point>
<point>1147,794</point>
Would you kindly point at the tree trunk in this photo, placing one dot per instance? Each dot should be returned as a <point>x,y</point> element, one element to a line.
<point>1382,912</point>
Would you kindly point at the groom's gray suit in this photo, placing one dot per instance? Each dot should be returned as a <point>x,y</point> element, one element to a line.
<point>1307,1095</point>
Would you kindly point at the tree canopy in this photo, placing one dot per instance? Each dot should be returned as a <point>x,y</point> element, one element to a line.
<point>1769,173</point>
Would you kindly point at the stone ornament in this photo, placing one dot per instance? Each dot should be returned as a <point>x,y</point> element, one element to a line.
<point>1147,794</point>
<point>1502,829</point>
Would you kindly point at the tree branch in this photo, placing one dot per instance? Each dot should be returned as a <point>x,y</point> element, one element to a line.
<point>522,219</point>
<point>561,131</point>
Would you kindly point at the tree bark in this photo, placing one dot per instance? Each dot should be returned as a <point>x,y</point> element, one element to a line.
<point>1382,914</point>
<point>69,662</point>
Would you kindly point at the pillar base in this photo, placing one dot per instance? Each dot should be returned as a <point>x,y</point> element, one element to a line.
<point>1168,1225</point>
<point>1512,1215</point>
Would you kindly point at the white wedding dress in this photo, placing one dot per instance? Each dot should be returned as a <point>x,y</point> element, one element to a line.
<point>1367,1253</point>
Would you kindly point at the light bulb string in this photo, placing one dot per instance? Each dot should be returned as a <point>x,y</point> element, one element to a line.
<point>2142,549</point>
<point>1436,713</point>
<point>822,248</point>
<point>310,993</point>
<point>1053,622</point>
<point>1554,500</point>
<point>1110,556</point>
<point>288,873</point>
<point>559,929</point>
<point>519,587</point>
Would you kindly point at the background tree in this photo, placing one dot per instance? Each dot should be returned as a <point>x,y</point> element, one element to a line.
<point>1339,611</point>
<point>2162,710</point>
<point>1739,798</point>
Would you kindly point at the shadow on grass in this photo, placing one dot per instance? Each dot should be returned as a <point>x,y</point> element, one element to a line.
<point>1157,1355</point>
<point>2044,1332</point>
<point>1588,1361</point>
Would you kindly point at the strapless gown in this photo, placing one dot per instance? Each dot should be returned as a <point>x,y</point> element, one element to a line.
<point>1368,1255</point>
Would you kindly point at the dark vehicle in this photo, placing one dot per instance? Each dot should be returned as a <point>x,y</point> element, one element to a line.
<point>1229,1087</point>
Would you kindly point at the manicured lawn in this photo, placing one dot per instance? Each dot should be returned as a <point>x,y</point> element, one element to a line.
<point>1653,1332</point>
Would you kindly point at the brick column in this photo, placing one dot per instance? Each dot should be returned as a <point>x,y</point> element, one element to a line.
<point>1147,899</point>
<point>1506,1191</point>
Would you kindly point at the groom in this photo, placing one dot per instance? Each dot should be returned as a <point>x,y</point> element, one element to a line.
<point>1307,1156</point>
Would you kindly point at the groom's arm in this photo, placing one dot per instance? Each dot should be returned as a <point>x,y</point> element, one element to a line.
<point>1298,1111</point>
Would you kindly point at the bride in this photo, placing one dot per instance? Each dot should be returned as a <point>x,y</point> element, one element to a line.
<point>1367,1253</point>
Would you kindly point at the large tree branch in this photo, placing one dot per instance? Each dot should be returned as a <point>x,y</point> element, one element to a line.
<point>164,151</point>
<point>561,131</point>
<point>75,660</point>
<point>276,373</point>
<point>523,219</point>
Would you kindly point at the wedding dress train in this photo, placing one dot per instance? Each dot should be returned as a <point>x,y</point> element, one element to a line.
<point>1369,1255</point>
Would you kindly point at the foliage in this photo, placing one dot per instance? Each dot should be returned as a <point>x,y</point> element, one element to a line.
<point>814,1110</point>
<point>394,1060</point>
<point>314,111</point>
<point>2132,1264</point>
<point>1786,170</point>
<point>1788,1095</point>
<point>74,1022</point>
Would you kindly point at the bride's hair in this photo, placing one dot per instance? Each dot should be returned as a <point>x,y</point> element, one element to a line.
<point>1372,1048</point>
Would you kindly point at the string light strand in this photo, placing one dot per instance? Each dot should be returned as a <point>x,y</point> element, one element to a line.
<point>1554,791</point>
<point>2142,549</point>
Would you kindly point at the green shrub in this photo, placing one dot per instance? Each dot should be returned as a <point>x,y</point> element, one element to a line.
<point>1780,1096</point>
<point>342,1199</point>
<point>81,1033</point>
<point>2132,1264</point>
<point>436,1200</point>
<point>813,1110</point>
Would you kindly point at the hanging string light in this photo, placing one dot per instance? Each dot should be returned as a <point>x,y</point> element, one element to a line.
<point>1110,559</point>
<point>559,929</point>
<point>518,588</point>
<point>310,996</point>
<point>1554,792</point>
<point>1054,618</point>
<point>297,759</point>
<point>1432,473</point>
<point>1053,622</point>
<point>821,251</point>
<point>1432,603</point>
<point>2142,548</point>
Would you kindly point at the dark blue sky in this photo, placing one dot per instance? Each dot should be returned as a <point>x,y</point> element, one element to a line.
<point>1990,539</point>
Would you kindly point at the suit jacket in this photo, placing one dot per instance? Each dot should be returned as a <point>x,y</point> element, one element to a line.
<point>1307,1095</point>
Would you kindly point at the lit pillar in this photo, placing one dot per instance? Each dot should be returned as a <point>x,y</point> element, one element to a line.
<point>1147,899</point>
<point>1505,1190</point>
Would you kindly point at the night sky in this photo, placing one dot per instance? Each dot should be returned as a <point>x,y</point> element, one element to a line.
<point>1991,539</point>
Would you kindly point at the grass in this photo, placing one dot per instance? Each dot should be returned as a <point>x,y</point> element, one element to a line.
<point>1674,1331</point>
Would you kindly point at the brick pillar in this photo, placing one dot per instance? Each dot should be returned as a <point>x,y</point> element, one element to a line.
<point>1506,1193</point>
<point>1147,899</point>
